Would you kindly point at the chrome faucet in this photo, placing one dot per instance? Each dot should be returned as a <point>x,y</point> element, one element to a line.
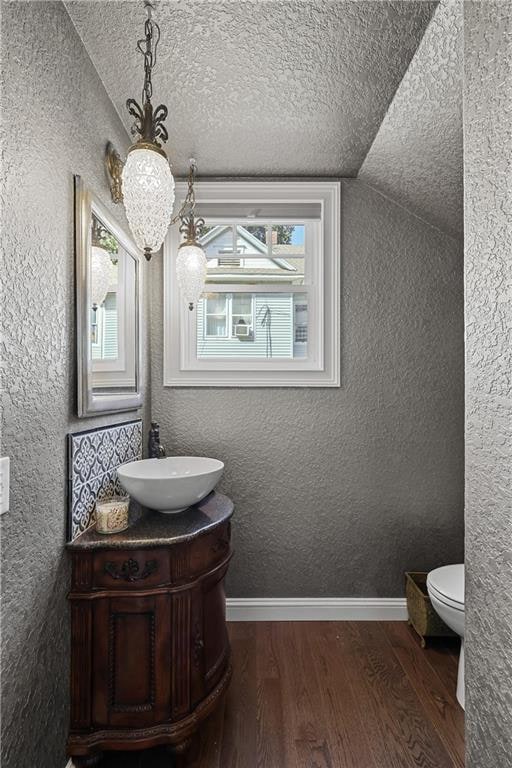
<point>155,449</point>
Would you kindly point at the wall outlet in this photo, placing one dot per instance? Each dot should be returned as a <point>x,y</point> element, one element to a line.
<point>4,484</point>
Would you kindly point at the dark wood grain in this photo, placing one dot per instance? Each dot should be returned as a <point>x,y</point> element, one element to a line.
<point>331,695</point>
<point>150,653</point>
<point>433,688</point>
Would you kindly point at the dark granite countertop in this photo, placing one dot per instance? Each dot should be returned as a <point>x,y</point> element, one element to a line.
<point>154,529</point>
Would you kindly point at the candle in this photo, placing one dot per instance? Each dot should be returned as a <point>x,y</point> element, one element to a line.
<point>112,514</point>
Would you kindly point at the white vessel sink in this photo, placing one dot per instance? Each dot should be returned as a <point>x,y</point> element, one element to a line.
<point>171,484</point>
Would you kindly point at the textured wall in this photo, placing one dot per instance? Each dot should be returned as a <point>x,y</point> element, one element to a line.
<point>272,86</point>
<point>488,229</point>
<point>57,118</point>
<point>337,491</point>
<point>416,157</point>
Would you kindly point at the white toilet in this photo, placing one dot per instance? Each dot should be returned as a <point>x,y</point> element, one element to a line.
<point>446,591</point>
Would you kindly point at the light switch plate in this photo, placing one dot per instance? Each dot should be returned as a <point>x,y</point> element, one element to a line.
<point>4,484</point>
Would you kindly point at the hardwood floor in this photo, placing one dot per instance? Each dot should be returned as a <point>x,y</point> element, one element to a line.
<point>330,695</point>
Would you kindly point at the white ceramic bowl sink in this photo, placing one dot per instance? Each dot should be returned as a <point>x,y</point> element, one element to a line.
<point>171,484</point>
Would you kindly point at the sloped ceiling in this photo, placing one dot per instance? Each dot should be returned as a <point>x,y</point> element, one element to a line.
<point>301,87</point>
<point>261,87</point>
<point>416,158</point>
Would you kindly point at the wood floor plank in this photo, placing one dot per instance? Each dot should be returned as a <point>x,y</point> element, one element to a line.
<point>330,695</point>
<point>437,696</point>
<point>239,743</point>
<point>342,711</point>
<point>267,660</point>
<point>270,724</point>
<point>386,741</point>
<point>393,696</point>
<point>307,734</point>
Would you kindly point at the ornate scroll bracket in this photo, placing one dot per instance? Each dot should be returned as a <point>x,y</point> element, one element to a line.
<point>114,167</point>
<point>130,570</point>
<point>148,123</point>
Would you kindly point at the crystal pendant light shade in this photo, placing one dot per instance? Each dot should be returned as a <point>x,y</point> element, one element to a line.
<point>191,266</point>
<point>101,275</point>
<point>148,192</point>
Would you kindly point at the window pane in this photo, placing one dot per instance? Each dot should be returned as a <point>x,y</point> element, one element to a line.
<point>288,239</point>
<point>241,315</point>
<point>216,304</point>
<point>216,315</point>
<point>251,232</point>
<point>217,242</point>
<point>215,326</point>
<point>263,326</point>
<point>300,325</point>
<point>242,304</point>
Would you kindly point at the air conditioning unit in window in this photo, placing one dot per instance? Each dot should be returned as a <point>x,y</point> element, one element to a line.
<point>242,330</point>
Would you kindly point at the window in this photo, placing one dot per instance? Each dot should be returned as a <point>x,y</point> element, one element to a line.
<point>104,326</point>
<point>216,316</point>
<point>241,315</point>
<point>269,315</point>
<point>221,311</point>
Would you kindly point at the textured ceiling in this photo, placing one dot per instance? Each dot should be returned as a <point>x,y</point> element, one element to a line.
<point>416,157</point>
<point>276,87</point>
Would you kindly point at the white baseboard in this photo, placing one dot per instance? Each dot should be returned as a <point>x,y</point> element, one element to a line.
<point>316,609</point>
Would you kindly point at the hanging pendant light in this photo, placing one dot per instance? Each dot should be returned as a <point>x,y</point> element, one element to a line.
<point>191,263</point>
<point>103,252</point>
<point>147,181</point>
<point>101,275</point>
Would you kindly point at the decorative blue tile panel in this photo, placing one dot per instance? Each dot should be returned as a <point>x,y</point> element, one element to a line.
<point>94,456</point>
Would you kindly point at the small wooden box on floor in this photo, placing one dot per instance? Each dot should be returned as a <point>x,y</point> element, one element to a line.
<point>422,615</point>
<point>150,654</point>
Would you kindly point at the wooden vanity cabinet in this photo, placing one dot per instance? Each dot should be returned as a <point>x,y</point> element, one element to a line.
<point>150,655</point>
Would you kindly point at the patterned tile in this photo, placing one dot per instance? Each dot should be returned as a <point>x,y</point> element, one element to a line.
<point>94,456</point>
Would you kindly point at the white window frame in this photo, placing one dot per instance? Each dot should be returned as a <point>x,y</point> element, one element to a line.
<point>321,368</point>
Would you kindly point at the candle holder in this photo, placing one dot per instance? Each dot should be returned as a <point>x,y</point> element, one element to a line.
<point>112,514</point>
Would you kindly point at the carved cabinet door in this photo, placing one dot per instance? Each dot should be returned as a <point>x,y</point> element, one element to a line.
<point>132,660</point>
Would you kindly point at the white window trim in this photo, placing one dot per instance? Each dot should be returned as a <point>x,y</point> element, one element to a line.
<point>266,373</point>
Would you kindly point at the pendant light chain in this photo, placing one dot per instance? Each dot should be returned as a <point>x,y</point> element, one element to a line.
<point>147,46</point>
<point>148,183</point>
<point>147,180</point>
<point>189,202</point>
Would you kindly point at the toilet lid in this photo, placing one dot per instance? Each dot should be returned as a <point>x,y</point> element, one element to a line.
<point>448,582</point>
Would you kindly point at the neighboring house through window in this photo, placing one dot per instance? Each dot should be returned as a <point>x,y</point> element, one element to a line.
<point>105,329</point>
<point>269,316</point>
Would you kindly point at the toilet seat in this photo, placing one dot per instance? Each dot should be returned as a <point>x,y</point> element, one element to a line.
<point>446,590</point>
<point>447,584</point>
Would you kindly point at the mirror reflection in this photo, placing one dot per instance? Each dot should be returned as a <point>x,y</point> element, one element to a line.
<point>108,310</point>
<point>112,311</point>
